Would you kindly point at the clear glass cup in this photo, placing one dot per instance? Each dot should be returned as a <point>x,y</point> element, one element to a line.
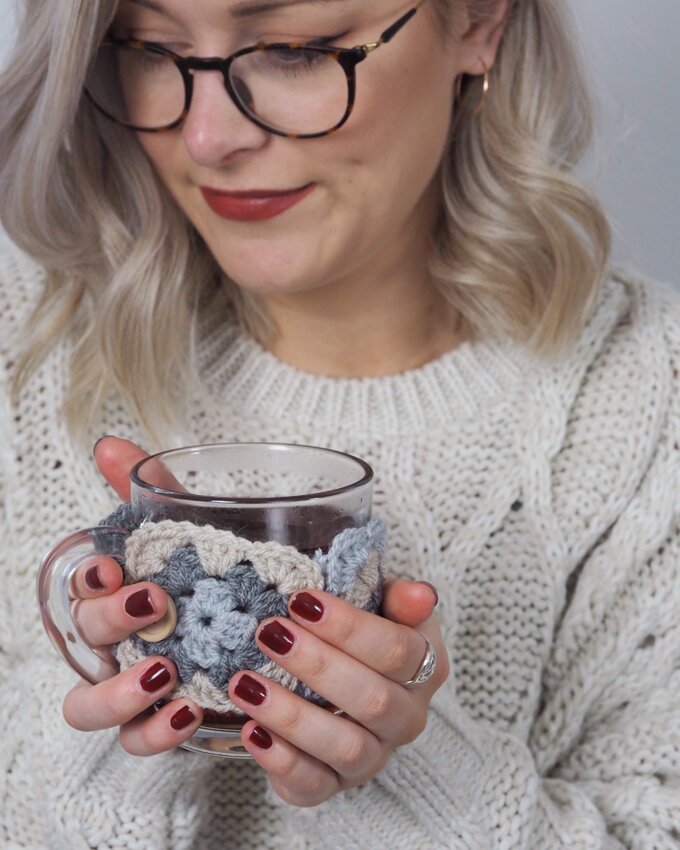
<point>296,495</point>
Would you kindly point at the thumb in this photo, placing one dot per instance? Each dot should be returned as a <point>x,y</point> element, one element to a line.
<point>115,458</point>
<point>408,602</point>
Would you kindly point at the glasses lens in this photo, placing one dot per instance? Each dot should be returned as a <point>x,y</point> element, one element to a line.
<point>294,90</point>
<point>139,87</point>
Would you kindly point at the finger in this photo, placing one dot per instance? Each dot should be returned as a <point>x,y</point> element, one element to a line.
<point>298,778</point>
<point>119,699</point>
<point>390,712</point>
<point>97,577</point>
<point>408,602</point>
<point>348,749</point>
<point>112,618</point>
<point>165,729</point>
<point>391,649</point>
<point>115,458</point>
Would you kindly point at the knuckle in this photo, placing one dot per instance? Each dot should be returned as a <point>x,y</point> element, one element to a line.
<point>145,738</point>
<point>352,755</point>
<point>397,656</point>
<point>114,622</point>
<point>347,629</point>
<point>291,719</point>
<point>416,728</point>
<point>313,795</point>
<point>379,703</point>
<point>118,705</point>
<point>310,786</point>
<point>281,790</point>
<point>140,745</point>
<point>317,666</point>
<point>283,768</point>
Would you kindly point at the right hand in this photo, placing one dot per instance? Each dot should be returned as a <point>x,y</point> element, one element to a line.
<point>103,620</point>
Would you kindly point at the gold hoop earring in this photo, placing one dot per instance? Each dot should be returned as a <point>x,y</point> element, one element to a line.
<point>485,90</point>
<point>458,90</point>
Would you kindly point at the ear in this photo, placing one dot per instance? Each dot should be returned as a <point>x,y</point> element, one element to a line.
<point>480,37</point>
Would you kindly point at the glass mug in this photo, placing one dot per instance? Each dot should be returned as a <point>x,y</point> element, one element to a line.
<point>296,495</point>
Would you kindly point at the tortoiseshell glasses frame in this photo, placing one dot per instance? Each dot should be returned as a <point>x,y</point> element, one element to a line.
<point>347,57</point>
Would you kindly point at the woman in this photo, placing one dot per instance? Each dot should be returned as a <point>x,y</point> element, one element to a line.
<point>418,280</point>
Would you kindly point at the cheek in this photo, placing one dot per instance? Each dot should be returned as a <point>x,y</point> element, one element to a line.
<point>416,116</point>
<point>408,104</point>
<point>161,150</point>
<point>399,129</point>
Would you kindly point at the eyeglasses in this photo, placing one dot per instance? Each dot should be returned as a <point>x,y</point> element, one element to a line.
<point>300,91</point>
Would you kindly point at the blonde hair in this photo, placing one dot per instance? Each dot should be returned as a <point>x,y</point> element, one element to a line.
<point>521,247</point>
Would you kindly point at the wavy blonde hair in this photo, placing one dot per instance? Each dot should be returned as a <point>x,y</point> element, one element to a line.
<point>521,247</point>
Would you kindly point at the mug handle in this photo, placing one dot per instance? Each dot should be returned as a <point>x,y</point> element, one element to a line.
<point>56,601</point>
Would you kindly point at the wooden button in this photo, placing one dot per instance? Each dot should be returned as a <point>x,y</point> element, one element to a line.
<point>162,628</point>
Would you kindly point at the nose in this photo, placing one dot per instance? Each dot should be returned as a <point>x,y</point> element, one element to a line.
<point>215,128</point>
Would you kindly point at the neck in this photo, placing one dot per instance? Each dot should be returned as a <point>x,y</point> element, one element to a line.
<point>373,332</point>
<point>382,318</point>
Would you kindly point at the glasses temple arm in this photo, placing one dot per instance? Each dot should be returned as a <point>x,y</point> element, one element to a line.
<point>390,32</point>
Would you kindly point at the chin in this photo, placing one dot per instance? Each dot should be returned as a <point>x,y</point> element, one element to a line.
<point>264,269</point>
<point>265,280</point>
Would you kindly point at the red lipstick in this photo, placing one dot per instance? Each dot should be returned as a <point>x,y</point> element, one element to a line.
<point>257,205</point>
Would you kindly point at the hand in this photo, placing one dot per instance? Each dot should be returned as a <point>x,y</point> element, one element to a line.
<point>356,660</point>
<point>126,700</point>
<point>103,620</point>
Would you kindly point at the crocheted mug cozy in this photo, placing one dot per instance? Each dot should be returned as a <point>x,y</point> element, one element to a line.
<point>223,586</point>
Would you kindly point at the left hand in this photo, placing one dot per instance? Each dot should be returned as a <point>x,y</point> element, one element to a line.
<point>356,660</point>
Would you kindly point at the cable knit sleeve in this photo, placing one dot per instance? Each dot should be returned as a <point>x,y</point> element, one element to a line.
<point>597,766</point>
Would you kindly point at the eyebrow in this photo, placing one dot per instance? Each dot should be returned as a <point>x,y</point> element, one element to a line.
<point>247,9</point>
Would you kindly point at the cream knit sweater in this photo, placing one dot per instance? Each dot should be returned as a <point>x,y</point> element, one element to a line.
<point>541,500</point>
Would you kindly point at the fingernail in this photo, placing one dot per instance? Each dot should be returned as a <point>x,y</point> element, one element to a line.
<point>261,738</point>
<point>307,606</point>
<point>433,589</point>
<point>155,677</point>
<point>139,604</point>
<point>182,718</point>
<point>250,690</point>
<point>92,579</point>
<point>277,638</point>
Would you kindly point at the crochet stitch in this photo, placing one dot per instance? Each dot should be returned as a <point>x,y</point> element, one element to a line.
<point>224,586</point>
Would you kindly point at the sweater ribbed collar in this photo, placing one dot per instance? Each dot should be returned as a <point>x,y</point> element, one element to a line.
<point>460,384</point>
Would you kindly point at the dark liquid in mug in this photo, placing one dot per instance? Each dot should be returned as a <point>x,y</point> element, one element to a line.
<point>306,528</point>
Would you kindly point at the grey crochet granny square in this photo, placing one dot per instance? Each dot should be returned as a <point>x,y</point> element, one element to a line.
<point>223,586</point>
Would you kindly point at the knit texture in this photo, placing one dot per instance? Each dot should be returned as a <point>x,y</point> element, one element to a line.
<point>541,499</point>
<point>223,586</point>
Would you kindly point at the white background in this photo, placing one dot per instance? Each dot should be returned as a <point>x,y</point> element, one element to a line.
<point>631,49</point>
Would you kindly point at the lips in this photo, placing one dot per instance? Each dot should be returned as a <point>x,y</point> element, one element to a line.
<point>254,205</point>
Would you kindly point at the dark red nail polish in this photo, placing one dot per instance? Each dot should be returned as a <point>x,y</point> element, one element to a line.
<point>92,579</point>
<point>182,718</point>
<point>261,738</point>
<point>277,638</point>
<point>139,604</point>
<point>155,677</point>
<point>434,590</point>
<point>307,606</point>
<point>250,690</point>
